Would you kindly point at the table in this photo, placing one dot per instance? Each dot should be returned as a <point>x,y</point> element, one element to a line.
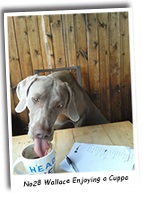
<point>120,133</point>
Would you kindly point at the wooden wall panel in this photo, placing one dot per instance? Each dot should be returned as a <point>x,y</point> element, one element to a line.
<point>125,68</point>
<point>81,48</point>
<point>23,46</point>
<point>70,43</point>
<point>58,41</point>
<point>97,42</point>
<point>115,69</point>
<point>46,42</point>
<point>15,74</point>
<point>103,31</point>
<point>70,32</point>
<point>34,42</point>
<point>93,58</point>
<point>43,42</point>
<point>65,38</point>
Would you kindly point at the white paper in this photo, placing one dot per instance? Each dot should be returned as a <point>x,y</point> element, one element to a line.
<point>92,157</point>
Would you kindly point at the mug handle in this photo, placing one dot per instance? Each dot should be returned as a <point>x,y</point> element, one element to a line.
<point>19,160</point>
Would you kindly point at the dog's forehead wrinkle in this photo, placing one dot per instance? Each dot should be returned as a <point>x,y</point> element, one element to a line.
<point>37,94</point>
<point>51,89</point>
<point>47,83</point>
<point>43,85</point>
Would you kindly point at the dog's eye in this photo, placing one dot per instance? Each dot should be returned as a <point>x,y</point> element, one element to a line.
<point>36,99</point>
<point>59,106</point>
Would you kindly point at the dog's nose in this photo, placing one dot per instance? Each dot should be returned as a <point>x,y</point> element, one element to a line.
<point>41,133</point>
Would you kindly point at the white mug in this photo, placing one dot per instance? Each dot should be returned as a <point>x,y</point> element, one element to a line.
<point>33,164</point>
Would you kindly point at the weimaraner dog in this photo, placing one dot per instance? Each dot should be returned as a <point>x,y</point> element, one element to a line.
<point>55,101</point>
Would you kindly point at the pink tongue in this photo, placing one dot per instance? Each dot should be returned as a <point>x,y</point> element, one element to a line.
<point>40,147</point>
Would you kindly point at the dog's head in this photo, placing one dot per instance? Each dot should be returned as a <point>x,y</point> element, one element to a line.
<point>45,97</point>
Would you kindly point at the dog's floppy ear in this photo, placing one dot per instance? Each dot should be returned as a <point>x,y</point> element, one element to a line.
<point>72,111</point>
<point>21,90</point>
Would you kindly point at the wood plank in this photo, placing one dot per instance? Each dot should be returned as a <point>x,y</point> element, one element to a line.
<point>49,44</point>
<point>117,135</point>
<point>70,33</point>
<point>93,58</point>
<point>115,73</point>
<point>58,41</point>
<point>98,135</point>
<point>81,48</point>
<point>15,75</point>
<point>69,41</point>
<point>15,71</point>
<point>82,135</point>
<point>34,42</point>
<point>62,146</point>
<point>43,40</point>
<point>127,127</point>
<point>120,130</point>
<point>23,46</point>
<point>125,69</point>
<point>46,42</point>
<point>65,39</point>
<point>91,135</point>
<point>103,32</point>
